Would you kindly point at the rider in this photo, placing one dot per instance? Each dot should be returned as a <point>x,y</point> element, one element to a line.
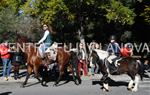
<point>114,51</point>
<point>127,50</point>
<point>45,41</point>
<point>113,47</point>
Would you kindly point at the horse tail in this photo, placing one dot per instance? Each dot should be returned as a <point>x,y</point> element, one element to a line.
<point>141,69</point>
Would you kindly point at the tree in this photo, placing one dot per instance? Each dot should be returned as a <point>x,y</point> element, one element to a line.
<point>8,18</point>
<point>13,25</point>
<point>146,14</point>
<point>115,11</point>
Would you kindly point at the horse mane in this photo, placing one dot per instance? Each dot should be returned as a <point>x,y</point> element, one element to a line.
<point>96,56</point>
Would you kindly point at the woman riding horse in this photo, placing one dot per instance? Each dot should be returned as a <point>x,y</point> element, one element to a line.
<point>34,62</point>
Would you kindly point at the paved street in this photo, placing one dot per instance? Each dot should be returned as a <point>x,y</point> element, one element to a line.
<point>118,87</point>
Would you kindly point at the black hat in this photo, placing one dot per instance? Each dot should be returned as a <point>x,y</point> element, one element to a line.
<point>112,37</point>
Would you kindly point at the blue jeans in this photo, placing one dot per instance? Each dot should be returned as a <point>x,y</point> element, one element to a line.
<point>6,67</point>
<point>42,49</point>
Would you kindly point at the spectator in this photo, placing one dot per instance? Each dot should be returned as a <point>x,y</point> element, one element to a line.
<point>5,55</point>
<point>82,60</point>
<point>127,50</point>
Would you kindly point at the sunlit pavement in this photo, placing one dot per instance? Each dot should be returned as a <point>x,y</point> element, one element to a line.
<point>89,86</point>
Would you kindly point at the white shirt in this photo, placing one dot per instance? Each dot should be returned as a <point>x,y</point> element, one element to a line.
<point>44,37</point>
<point>83,55</point>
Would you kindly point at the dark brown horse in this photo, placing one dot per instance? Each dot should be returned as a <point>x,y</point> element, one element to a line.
<point>129,66</point>
<point>66,59</point>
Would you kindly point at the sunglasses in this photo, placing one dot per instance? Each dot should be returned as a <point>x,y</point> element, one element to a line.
<point>44,26</point>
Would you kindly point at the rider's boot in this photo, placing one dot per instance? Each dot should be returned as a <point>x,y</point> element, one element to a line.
<point>113,68</point>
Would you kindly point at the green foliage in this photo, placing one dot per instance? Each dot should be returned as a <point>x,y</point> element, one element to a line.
<point>128,3</point>
<point>11,23</point>
<point>68,16</point>
<point>146,14</point>
<point>12,4</point>
<point>118,13</point>
<point>45,9</point>
<point>8,22</point>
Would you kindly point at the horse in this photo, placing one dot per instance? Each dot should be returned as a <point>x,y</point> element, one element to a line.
<point>65,59</point>
<point>17,59</point>
<point>128,65</point>
<point>33,61</point>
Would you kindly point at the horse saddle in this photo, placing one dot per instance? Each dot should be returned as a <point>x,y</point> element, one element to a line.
<point>52,51</point>
<point>52,54</point>
<point>113,59</point>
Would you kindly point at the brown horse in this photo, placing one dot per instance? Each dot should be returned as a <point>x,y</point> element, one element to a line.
<point>63,59</point>
<point>66,59</point>
<point>129,66</point>
<point>33,62</point>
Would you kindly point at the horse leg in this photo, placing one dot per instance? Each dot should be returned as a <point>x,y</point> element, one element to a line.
<point>136,83</point>
<point>104,80</point>
<point>61,72</point>
<point>29,71</point>
<point>44,76</point>
<point>105,87</point>
<point>16,71</point>
<point>75,74</point>
<point>36,73</point>
<point>130,85</point>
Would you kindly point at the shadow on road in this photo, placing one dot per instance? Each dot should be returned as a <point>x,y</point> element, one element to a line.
<point>111,82</point>
<point>28,85</point>
<point>5,93</point>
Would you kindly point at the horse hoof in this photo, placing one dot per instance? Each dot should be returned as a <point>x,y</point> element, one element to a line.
<point>22,86</point>
<point>78,82</point>
<point>105,90</point>
<point>134,90</point>
<point>102,88</point>
<point>130,89</point>
<point>54,85</point>
<point>44,85</point>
